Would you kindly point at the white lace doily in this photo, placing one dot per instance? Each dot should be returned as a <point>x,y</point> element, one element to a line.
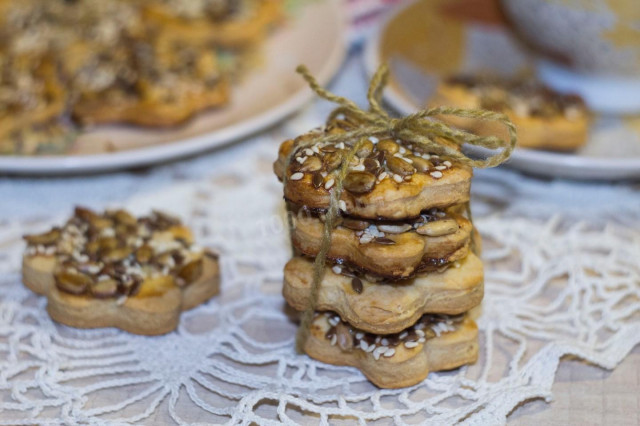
<point>562,278</point>
<point>553,288</point>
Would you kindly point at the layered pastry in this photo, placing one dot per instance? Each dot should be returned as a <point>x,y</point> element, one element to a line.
<point>153,63</point>
<point>116,270</point>
<point>399,274</point>
<point>545,119</point>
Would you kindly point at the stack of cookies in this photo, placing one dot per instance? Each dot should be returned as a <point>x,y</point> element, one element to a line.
<point>400,274</point>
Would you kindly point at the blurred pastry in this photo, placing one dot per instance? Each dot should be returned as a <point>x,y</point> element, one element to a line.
<point>545,119</point>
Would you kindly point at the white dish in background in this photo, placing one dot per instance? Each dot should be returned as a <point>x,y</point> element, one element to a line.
<point>612,151</point>
<point>314,36</point>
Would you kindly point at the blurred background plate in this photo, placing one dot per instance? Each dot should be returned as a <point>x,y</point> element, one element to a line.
<point>430,39</point>
<point>314,35</point>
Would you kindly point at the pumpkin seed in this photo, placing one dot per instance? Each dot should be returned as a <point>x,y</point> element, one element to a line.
<point>438,228</point>
<point>399,166</point>
<point>388,146</point>
<point>359,182</point>
<point>191,271</point>
<point>72,282</point>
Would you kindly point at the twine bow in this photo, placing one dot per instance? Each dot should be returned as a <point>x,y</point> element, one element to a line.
<point>419,128</point>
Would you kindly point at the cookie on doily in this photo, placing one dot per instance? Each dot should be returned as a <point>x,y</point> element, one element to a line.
<point>433,343</point>
<point>544,118</point>
<point>115,270</point>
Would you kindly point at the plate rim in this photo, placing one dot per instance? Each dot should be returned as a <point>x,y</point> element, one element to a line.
<point>181,148</point>
<point>604,168</point>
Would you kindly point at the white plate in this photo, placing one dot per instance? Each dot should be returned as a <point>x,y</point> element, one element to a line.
<point>314,36</point>
<point>612,151</point>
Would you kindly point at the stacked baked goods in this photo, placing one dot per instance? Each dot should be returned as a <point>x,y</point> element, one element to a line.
<point>151,63</point>
<point>545,119</point>
<point>116,270</point>
<point>383,266</point>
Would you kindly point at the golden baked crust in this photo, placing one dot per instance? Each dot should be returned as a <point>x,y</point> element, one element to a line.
<point>544,119</point>
<point>384,307</point>
<point>236,24</point>
<point>406,366</point>
<point>154,310</point>
<point>113,270</point>
<point>390,249</point>
<point>388,179</point>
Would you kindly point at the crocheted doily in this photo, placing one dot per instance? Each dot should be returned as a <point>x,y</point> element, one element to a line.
<point>554,287</point>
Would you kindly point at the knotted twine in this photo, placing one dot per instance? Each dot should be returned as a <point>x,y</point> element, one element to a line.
<point>418,128</point>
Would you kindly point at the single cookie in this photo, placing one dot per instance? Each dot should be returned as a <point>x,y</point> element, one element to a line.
<point>544,119</point>
<point>387,179</point>
<point>434,343</point>
<point>381,307</point>
<point>392,250</point>
<point>114,270</point>
<point>153,84</point>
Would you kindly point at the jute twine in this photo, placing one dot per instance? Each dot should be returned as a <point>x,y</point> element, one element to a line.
<point>419,128</point>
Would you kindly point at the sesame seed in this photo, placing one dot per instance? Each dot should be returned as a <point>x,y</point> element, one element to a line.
<point>397,178</point>
<point>382,176</point>
<point>363,345</point>
<point>411,344</point>
<point>436,175</point>
<point>316,149</point>
<point>358,168</point>
<point>390,352</point>
<point>403,335</point>
<point>384,342</point>
<point>441,167</point>
<point>373,139</point>
<point>340,145</point>
<point>366,238</point>
<point>328,184</point>
<point>334,339</point>
<point>359,335</point>
<point>447,163</point>
<point>337,270</point>
<point>334,321</point>
<point>379,351</point>
<point>408,160</point>
<point>402,150</point>
<point>420,333</point>
<point>308,151</point>
<point>426,156</point>
<point>422,340</point>
<point>370,348</point>
<point>301,159</point>
<point>408,177</point>
<point>297,176</point>
<point>343,205</point>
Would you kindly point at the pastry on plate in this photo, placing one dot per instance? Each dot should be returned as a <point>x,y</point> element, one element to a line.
<point>545,119</point>
<point>115,270</point>
<point>433,343</point>
<point>227,23</point>
<point>153,84</point>
<point>380,306</point>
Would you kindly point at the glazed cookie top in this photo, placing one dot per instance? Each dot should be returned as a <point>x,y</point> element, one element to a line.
<point>387,178</point>
<point>525,97</point>
<point>111,255</point>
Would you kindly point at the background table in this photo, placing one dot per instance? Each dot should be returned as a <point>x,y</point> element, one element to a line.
<point>582,394</point>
